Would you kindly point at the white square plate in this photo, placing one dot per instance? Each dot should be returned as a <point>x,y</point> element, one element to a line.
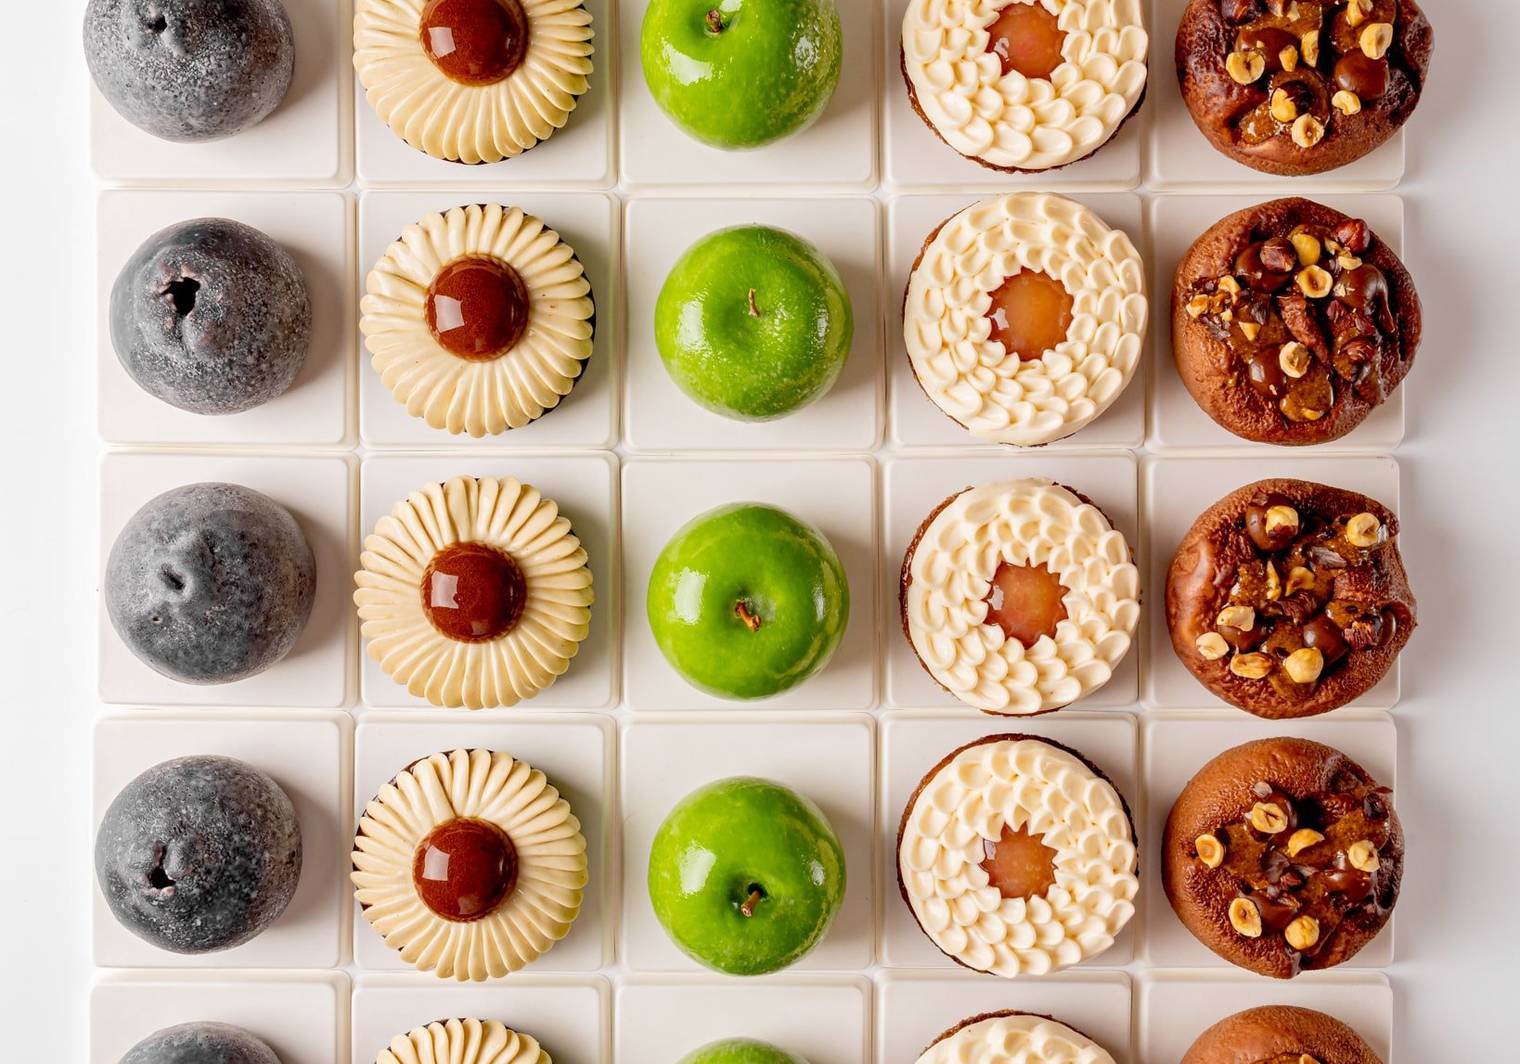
<point>827,757</point>
<point>1176,491</point>
<point>303,1018</point>
<point>587,417</point>
<point>1177,422</point>
<point>1176,746</point>
<point>912,744</point>
<point>585,489</point>
<point>317,229</point>
<point>575,752</point>
<point>308,756</point>
<point>917,422</point>
<point>660,417</point>
<point>578,155</point>
<point>318,671</point>
<point>915,486</point>
<point>837,151</point>
<point>837,495</point>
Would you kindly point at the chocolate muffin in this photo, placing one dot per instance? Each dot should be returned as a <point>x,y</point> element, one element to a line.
<point>1283,1033</point>
<point>1297,87</point>
<point>1016,1037</point>
<point>1288,598</point>
<point>1283,855</point>
<point>1291,322</point>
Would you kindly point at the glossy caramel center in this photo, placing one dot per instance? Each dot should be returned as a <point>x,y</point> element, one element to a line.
<point>475,42</point>
<point>464,869</point>
<point>477,308</point>
<point>1030,314</point>
<point>1019,864</point>
<point>472,592</point>
<point>1025,602</point>
<point>1025,37</point>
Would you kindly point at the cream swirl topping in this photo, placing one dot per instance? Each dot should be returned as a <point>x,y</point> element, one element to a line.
<point>467,1041</point>
<point>1015,1038</point>
<point>970,375</point>
<point>1007,119</point>
<point>1029,785</point>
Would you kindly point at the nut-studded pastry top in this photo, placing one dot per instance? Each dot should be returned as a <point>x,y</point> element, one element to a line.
<point>1014,1038</point>
<point>1288,598</point>
<point>470,864</point>
<point>478,320</point>
<point>474,593</point>
<point>1283,855</point>
<point>1024,317</point>
<point>1301,86</point>
<point>1024,85</point>
<point>1017,857</point>
<point>1291,322</point>
<point>1280,1034</point>
<point>467,1041</point>
<point>473,81</point>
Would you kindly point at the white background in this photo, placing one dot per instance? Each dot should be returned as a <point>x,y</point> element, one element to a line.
<point>1459,719</point>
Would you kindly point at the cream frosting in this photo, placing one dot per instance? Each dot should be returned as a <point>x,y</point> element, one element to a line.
<point>1017,122</point>
<point>1021,522</point>
<point>972,377</point>
<point>472,123</point>
<point>1016,1038</point>
<point>478,397</point>
<point>483,785</point>
<point>468,1041</point>
<point>517,520</point>
<point>1026,784</point>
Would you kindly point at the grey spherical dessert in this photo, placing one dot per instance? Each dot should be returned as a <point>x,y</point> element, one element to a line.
<point>198,854</point>
<point>210,583</point>
<point>211,316</point>
<point>190,70</point>
<point>202,1042</point>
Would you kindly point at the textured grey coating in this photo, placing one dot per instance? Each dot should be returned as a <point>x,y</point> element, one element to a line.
<point>211,316</point>
<point>190,70</point>
<point>198,854</point>
<point>210,583</point>
<point>201,1042</point>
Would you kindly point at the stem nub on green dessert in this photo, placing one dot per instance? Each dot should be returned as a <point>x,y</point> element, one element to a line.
<point>754,309</point>
<point>715,21</point>
<point>756,896</point>
<point>747,614</point>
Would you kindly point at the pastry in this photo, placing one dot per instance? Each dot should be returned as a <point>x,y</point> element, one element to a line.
<point>474,593</point>
<point>463,1042</point>
<point>1019,597</point>
<point>211,316</point>
<point>1014,1038</point>
<point>1285,1033</point>
<point>470,865</point>
<point>201,1042</point>
<point>478,320</point>
<point>473,81</point>
<point>198,854</point>
<point>1295,87</point>
<point>190,70</point>
<point>210,583</point>
<point>1283,855</point>
<point>1025,317</point>
<point>1288,598</point>
<point>1291,322</point>
<point>1024,85</point>
<point>1017,856</point>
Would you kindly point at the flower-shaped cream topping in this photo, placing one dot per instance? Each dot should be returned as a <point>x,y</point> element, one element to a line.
<point>463,1042</point>
<point>474,592</point>
<point>1015,1038</point>
<point>1025,317</point>
<point>478,320</point>
<point>1017,858</point>
<point>473,81</point>
<point>1020,598</point>
<point>1025,84</point>
<point>471,865</point>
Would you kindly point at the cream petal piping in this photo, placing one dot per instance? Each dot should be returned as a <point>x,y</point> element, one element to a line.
<point>515,518</point>
<point>468,1041</point>
<point>517,798</point>
<point>1015,1038</point>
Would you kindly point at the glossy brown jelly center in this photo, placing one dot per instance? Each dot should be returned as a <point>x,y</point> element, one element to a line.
<point>477,308</point>
<point>472,592</point>
<point>475,42</point>
<point>1025,37</point>
<point>1030,314</point>
<point>1019,864</point>
<point>1025,602</point>
<point>464,869</point>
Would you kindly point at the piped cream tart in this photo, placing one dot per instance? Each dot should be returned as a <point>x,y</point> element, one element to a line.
<point>467,1041</point>
<point>1025,317</point>
<point>470,865</point>
<point>474,593</point>
<point>1024,85</point>
<point>1017,856</point>
<point>473,81</point>
<point>1014,1038</point>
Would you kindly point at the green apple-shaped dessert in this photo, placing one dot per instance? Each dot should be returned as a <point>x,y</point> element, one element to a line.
<point>747,601</point>
<point>741,73</point>
<point>740,1051</point>
<point>746,875</point>
<point>753,323</point>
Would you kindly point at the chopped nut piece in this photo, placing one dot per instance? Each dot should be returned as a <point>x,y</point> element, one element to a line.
<point>1245,67</point>
<point>1364,530</point>
<point>1357,12</point>
<point>1250,330</point>
<point>1288,57</point>
<point>1274,583</point>
<point>1294,359</point>
<point>1304,665</point>
<point>1283,107</point>
<point>1305,1058</point>
<point>1302,839</point>
<point>1347,102</point>
<point>1376,39</point>
<point>1210,850</point>
<point>1198,306</point>
<point>1281,518</point>
<point>1269,818</point>
<point>1299,579</point>
<point>1302,933</point>
<point>1310,414</point>
<point>1309,45</point>
<point>1363,856</point>
<point>1241,617</point>
<point>1306,244</point>
<point>1212,646</point>
<point>1315,282</point>
<point>1245,918</point>
<point>1227,283</point>
<point>1251,666</point>
<point>1347,261</point>
<point>1308,131</point>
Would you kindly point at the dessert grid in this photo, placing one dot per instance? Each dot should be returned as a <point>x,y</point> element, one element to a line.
<point>629,460</point>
